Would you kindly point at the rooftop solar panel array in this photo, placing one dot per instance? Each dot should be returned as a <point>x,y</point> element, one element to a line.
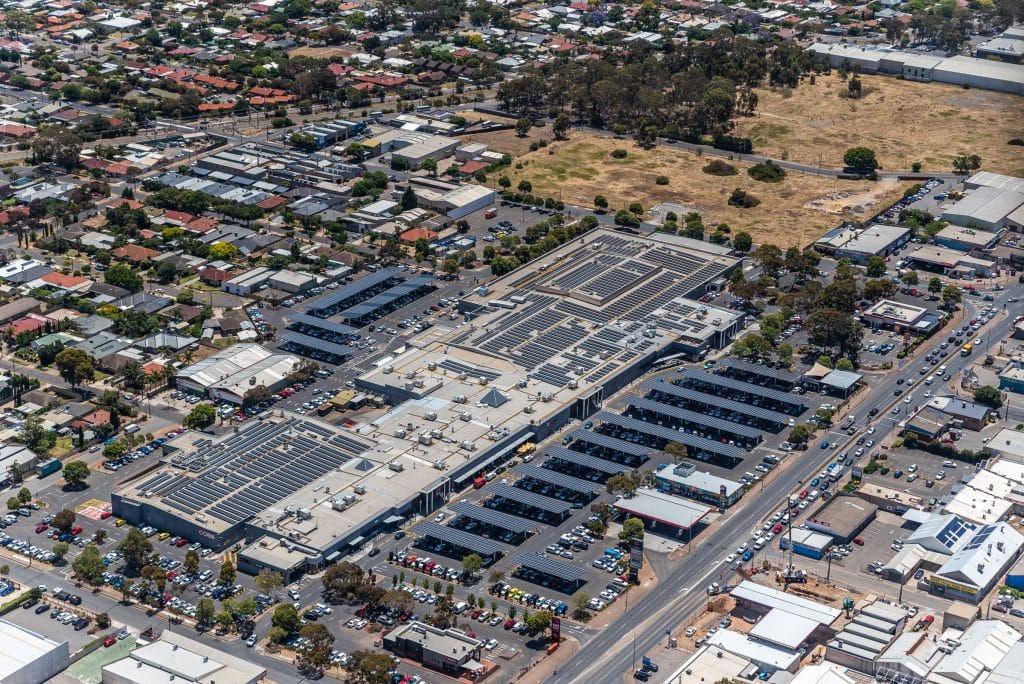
<point>490,516</point>
<point>320,327</point>
<point>583,460</point>
<point>558,479</point>
<point>364,288</point>
<point>694,417</point>
<point>543,503</point>
<point>456,537</point>
<point>257,468</point>
<point>549,566</point>
<point>764,371</point>
<point>380,304</point>
<point>471,371</point>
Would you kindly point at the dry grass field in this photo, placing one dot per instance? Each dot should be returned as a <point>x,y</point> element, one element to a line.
<point>793,212</point>
<point>903,121</point>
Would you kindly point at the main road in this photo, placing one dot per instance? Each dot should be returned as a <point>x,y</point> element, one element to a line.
<point>613,651</point>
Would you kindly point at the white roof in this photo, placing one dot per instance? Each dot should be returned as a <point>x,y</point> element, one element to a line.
<point>757,651</point>
<point>978,506</point>
<point>783,628</point>
<point>1009,443</point>
<point>995,180</point>
<point>176,658</point>
<point>985,205</point>
<point>985,556</point>
<point>22,646</point>
<point>223,364</point>
<point>773,598</point>
<point>826,673</point>
<point>982,647</point>
<point>666,508</point>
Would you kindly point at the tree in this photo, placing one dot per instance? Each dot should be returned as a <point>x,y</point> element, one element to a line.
<point>24,495</point>
<point>315,652</point>
<point>342,579</point>
<point>632,528</point>
<point>75,366</point>
<point>35,435</point>
<point>200,417</point>
<point>227,573</point>
<point>989,396</point>
<point>580,604</point>
<point>206,611</point>
<point>375,668</point>
<point>742,241</point>
<point>60,550</point>
<point>134,375</point>
<point>286,617</point>
<point>935,285</point>
<point>834,329</point>
<point>135,548</point>
<point>621,484</point>
<point>114,450</point>
<point>539,621</point>
<point>769,258</point>
<point>910,278</point>
<point>89,566</point>
<point>13,504</point>
<point>875,267</point>
<point>677,451</point>
<point>76,473</point>
<point>191,563</point>
<point>398,599</point>
<point>268,580</point>
<point>57,144</point>
<point>471,565</point>
<point>560,126</point>
<point>409,200</point>
<point>64,520</point>
<point>878,288</point>
<point>122,275</point>
<point>799,434</point>
<point>601,202</point>
<point>952,295</point>
<point>223,250</point>
<point>861,159</point>
<point>523,126</point>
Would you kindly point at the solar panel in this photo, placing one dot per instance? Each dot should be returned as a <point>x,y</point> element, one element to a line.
<point>331,302</point>
<point>560,453</point>
<point>569,482</point>
<point>702,377</point>
<point>692,418</point>
<point>621,445</point>
<point>459,538</point>
<point>767,372</point>
<point>688,397</point>
<point>490,516</point>
<point>312,344</point>
<point>321,327</point>
<point>668,435</point>
<point>530,499</point>
<point>549,566</point>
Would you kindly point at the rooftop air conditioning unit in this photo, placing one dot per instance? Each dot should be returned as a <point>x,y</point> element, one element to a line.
<point>396,466</point>
<point>459,399</point>
<point>389,369</point>
<point>431,366</point>
<point>359,489</point>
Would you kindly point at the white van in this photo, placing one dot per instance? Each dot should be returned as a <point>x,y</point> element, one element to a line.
<point>758,543</point>
<point>929,380</point>
<point>131,428</point>
<point>460,607</point>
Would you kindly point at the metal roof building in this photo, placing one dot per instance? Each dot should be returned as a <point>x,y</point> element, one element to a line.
<point>663,508</point>
<point>985,207</point>
<point>782,628</point>
<point>973,570</point>
<point>748,592</point>
<point>944,534</point>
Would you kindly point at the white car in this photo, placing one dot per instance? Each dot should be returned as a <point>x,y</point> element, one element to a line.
<point>690,631</point>
<point>730,558</point>
<point>491,644</point>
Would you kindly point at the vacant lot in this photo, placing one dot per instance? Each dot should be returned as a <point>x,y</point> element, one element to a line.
<point>793,212</point>
<point>904,122</point>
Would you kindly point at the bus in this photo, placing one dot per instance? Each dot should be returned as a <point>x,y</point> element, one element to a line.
<point>966,349</point>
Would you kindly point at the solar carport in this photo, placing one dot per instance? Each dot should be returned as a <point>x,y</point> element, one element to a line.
<point>707,426</point>
<point>569,577</point>
<point>494,519</point>
<point>332,302</point>
<point>730,410</point>
<point>758,374</point>
<point>618,450</point>
<point>315,347</point>
<point>569,459</point>
<point>487,549</point>
<point>720,385</point>
<point>560,510</point>
<point>384,303</point>
<point>321,328</point>
<point>662,435</point>
<point>585,488</point>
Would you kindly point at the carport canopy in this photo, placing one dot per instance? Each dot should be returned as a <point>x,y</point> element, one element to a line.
<point>549,566</point>
<point>489,516</point>
<point>614,443</point>
<point>712,400</point>
<point>569,482</point>
<point>462,539</point>
<point>526,498</point>
<point>584,460</point>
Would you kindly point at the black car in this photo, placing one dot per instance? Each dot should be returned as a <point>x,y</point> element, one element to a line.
<point>399,534</point>
<point>75,600</point>
<point>898,392</point>
<point>28,603</point>
<point>873,412</point>
<point>42,608</point>
<point>899,381</point>
<point>642,675</point>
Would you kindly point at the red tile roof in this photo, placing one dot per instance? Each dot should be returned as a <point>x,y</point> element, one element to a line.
<point>135,253</point>
<point>65,281</point>
<point>414,234</point>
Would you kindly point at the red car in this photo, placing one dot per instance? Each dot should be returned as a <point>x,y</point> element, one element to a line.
<point>77,529</point>
<point>105,514</point>
<point>509,624</point>
<point>109,641</point>
<point>803,494</point>
<point>41,527</point>
<point>181,542</point>
<point>858,541</point>
<point>777,528</point>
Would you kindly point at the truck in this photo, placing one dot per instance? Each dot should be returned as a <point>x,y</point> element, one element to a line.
<point>848,422</point>
<point>966,349</point>
<point>479,482</point>
<point>51,466</point>
<point>325,409</point>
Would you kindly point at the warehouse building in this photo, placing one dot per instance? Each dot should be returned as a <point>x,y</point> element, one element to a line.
<point>452,200</point>
<point>292,282</point>
<point>985,208</point>
<point>843,517</point>
<point>987,179</point>
<point>227,371</point>
<point>860,244</point>
<point>967,239</point>
<point>327,133</point>
<point>975,569</point>
<point>27,657</point>
<point>176,658</point>
<point>869,634</point>
<point>806,543</point>
<point>950,262</point>
<point>248,282</point>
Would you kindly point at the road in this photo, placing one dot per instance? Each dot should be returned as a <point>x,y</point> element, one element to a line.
<point>681,592</point>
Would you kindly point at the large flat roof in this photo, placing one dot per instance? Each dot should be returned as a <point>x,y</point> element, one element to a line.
<point>664,508</point>
<point>841,515</point>
<point>783,628</point>
<point>773,598</point>
<point>22,646</point>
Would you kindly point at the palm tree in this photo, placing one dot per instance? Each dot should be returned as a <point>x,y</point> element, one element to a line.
<point>134,375</point>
